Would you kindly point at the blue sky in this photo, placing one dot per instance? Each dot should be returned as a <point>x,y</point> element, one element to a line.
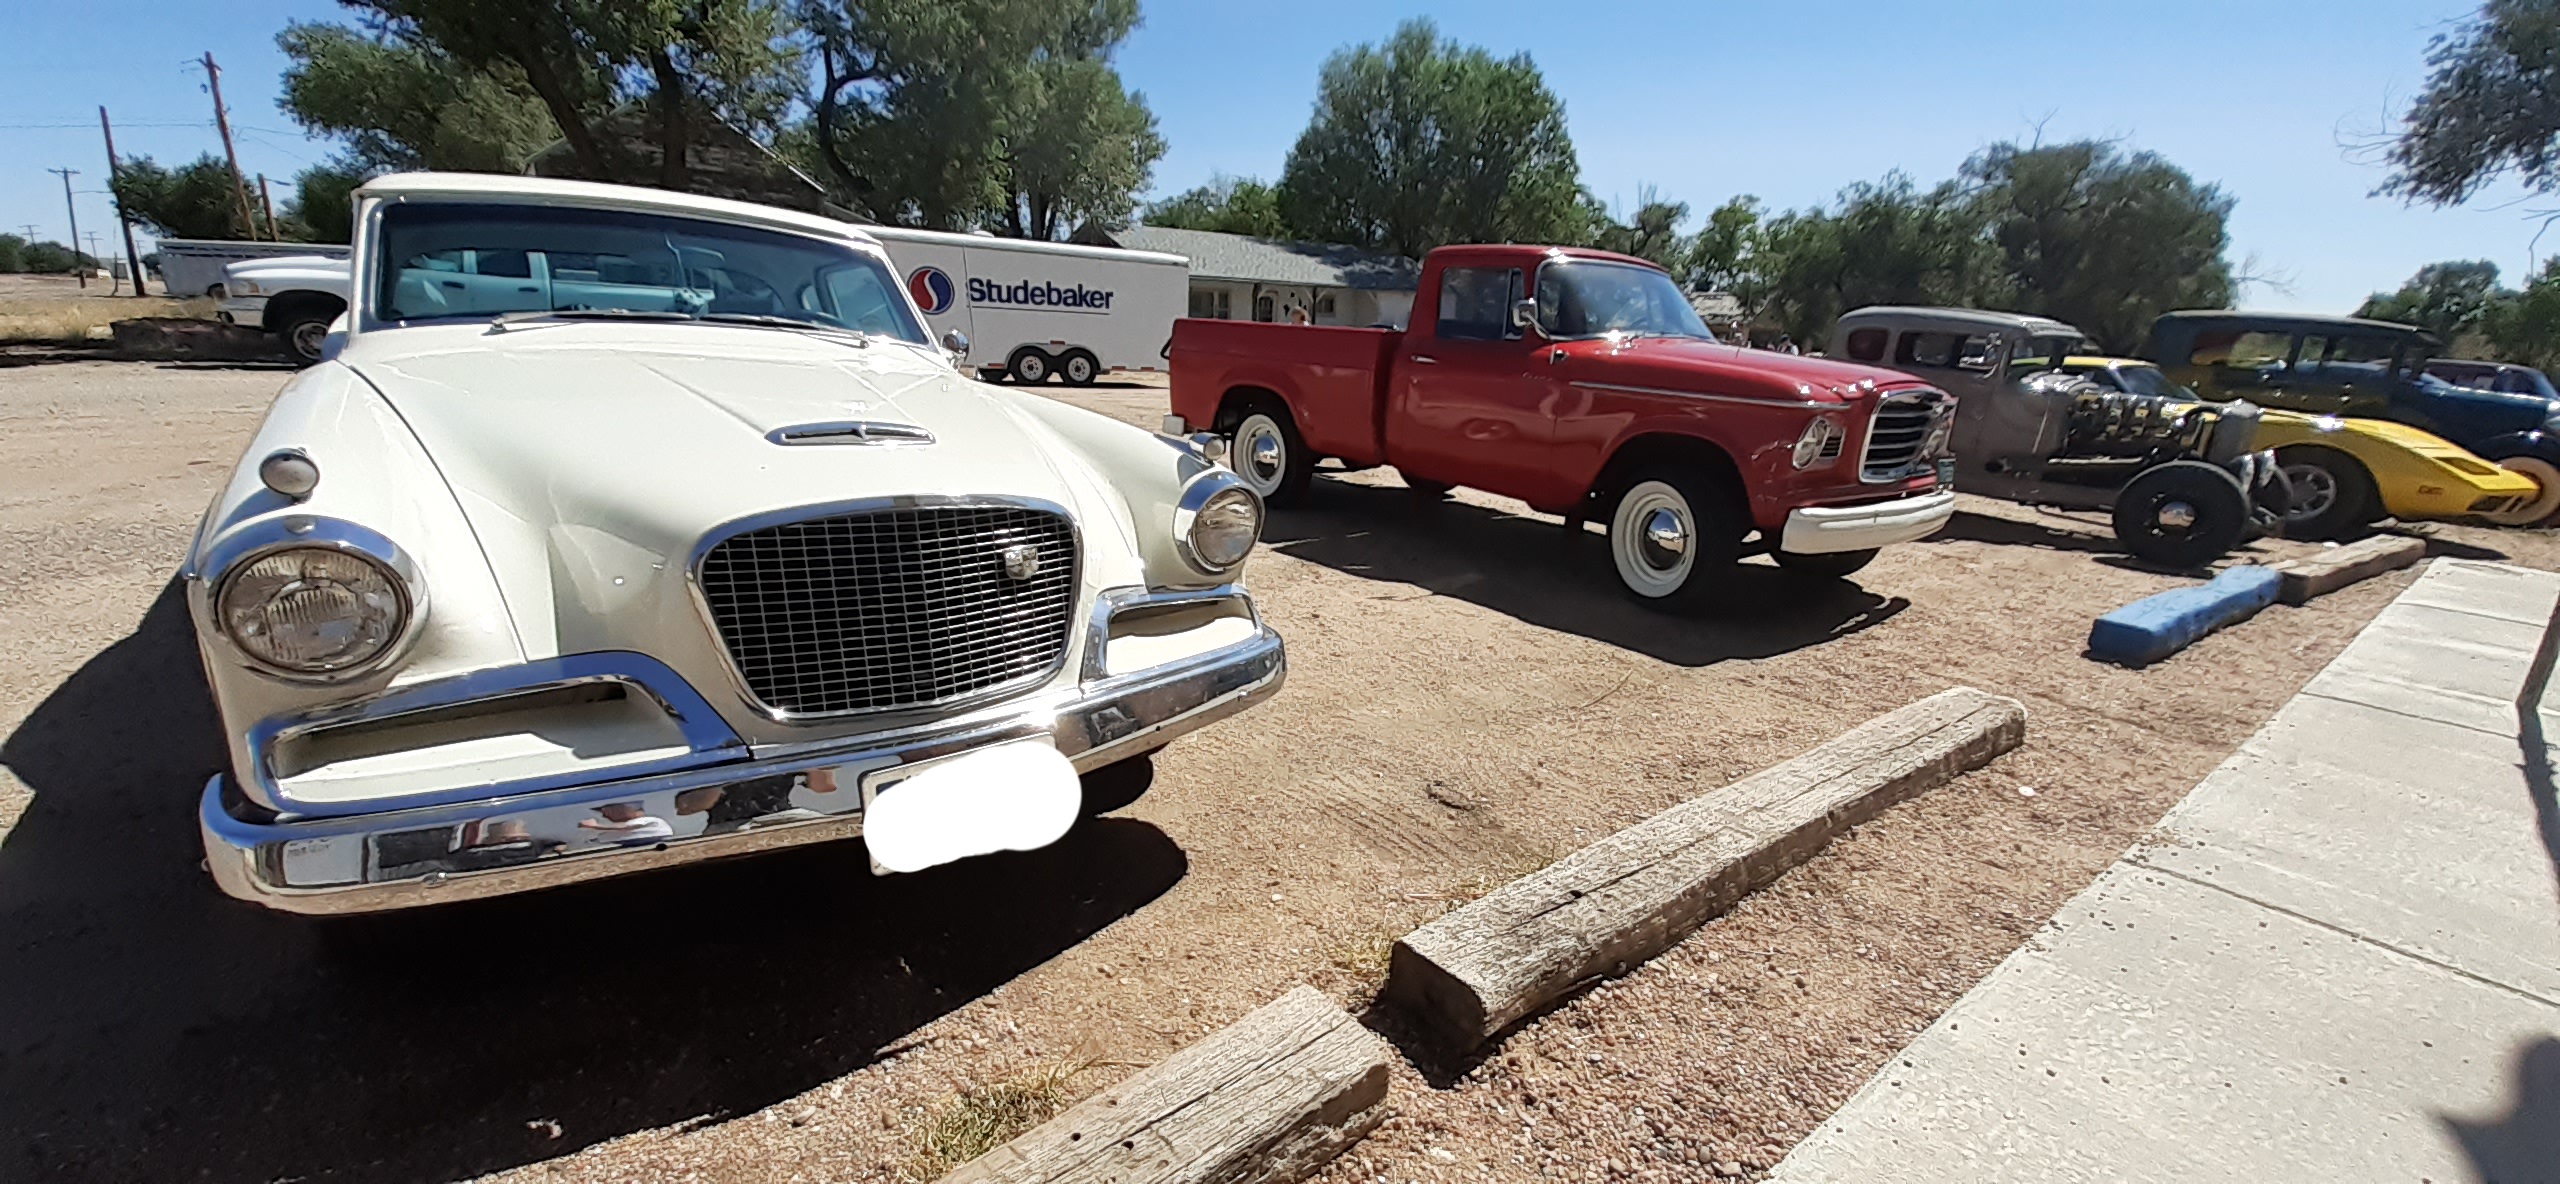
<point>1698,100</point>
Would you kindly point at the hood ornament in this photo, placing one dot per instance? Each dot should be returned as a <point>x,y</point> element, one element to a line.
<point>850,431</point>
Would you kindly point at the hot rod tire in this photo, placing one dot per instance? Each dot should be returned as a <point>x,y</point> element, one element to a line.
<point>1675,537</point>
<point>2184,514</point>
<point>1835,565</point>
<point>1267,452</point>
<point>2333,496</point>
<point>2545,505</point>
<point>1030,367</point>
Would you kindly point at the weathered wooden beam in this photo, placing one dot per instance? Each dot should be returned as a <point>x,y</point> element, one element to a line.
<point>1269,1098</point>
<point>2336,567</point>
<point>1611,905</point>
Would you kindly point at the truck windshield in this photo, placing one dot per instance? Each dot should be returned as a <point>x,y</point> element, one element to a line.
<point>1589,299</point>
<point>481,260</point>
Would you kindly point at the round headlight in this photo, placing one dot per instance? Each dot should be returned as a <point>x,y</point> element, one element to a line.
<point>312,610</point>
<point>1817,435</point>
<point>1225,527</point>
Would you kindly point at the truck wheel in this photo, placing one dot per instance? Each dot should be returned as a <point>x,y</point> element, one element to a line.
<point>1835,565</point>
<point>2544,505</point>
<point>1029,367</point>
<point>1268,454</point>
<point>2333,497</point>
<point>2182,515</point>
<point>304,335</point>
<point>1078,368</point>
<point>1674,539</point>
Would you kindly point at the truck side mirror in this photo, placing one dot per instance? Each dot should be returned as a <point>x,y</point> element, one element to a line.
<point>1524,314</point>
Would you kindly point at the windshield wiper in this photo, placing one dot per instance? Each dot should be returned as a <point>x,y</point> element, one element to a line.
<point>522,316</point>
<point>774,321</point>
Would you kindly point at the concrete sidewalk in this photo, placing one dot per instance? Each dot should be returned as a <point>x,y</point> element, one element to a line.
<point>2338,959</point>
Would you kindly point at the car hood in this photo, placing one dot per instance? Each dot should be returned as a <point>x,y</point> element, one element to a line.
<point>1691,364</point>
<point>593,461</point>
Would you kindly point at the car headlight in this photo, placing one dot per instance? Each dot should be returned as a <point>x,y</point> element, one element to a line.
<point>1217,522</point>
<point>245,288</point>
<point>313,610</point>
<point>1820,441</point>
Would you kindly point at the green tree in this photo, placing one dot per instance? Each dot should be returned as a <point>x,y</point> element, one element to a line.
<point>402,104</point>
<point>1724,256</point>
<point>191,201</point>
<point>52,258</point>
<point>2452,299</point>
<point>1002,114</point>
<point>2100,238</point>
<point>1421,142</point>
<point>1652,233</point>
<point>1885,242</point>
<point>323,204</point>
<point>1230,205</point>
<point>2487,109</point>
<point>13,254</point>
<point>2526,327</point>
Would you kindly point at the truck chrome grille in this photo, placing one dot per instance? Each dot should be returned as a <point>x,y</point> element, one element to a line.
<point>1896,434</point>
<point>895,608</point>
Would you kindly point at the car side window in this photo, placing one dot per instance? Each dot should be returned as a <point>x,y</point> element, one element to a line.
<point>2514,383</point>
<point>1945,351</point>
<point>2241,350</point>
<point>1475,303</point>
<point>1867,345</point>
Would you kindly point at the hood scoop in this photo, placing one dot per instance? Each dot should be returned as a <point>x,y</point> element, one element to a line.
<point>850,431</point>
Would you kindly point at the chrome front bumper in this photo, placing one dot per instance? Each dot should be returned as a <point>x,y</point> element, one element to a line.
<point>1822,530</point>
<point>515,842</point>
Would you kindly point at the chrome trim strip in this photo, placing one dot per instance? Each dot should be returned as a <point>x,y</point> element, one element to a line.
<point>711,739</point>
<point>265,536</point>
<point>1111,602</point>
<point>1655,390</point>
<point>851,431</point>
<point>1095,727</point>
<point>905,501</point>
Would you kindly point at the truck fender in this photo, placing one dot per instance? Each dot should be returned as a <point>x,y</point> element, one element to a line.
<point>1640,447</point>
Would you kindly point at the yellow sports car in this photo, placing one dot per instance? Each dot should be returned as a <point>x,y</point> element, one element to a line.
<point>2346,473</point>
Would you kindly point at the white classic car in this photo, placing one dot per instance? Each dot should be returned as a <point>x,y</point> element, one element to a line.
<point>623,528</point>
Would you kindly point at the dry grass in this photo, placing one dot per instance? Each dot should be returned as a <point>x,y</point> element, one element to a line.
<point>60,314</point>
<point>982,1118</point>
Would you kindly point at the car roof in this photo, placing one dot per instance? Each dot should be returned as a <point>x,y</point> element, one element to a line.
<point>1961,318</point>
<point>2290,319</point>
<point>556,191</point>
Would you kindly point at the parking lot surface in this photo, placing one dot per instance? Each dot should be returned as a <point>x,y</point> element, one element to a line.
<point>1470,696</point>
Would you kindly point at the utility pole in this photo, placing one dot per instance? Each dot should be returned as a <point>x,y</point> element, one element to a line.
<point>102,261</point>
<point>74,211</point>
<point>222,120</point>
<point>132,258</point>
<point>267,200</point>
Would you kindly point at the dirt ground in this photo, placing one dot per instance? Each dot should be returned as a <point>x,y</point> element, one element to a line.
<point>1469,697</point>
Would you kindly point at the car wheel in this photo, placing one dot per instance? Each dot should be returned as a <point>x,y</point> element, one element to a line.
<point>1674,539</point>
<point>1029,367</point>
<point>1835,565</point>
<point>305,335</point>
<point>2333,496</point>
<point>2182,515</point>
<point>1114,786</point>
<point>1078,368</point>
<point>2544,505</point>
<point>1268,454</point>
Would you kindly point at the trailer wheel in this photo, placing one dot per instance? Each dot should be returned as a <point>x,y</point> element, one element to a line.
<point>1078,368</point>
<point>2184,514</point>
<point>1029,366</point>
<point>1674,539</point>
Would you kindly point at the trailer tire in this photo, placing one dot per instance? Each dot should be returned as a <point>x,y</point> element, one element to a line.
<point>1078,367</point>
<point>1029,366</point>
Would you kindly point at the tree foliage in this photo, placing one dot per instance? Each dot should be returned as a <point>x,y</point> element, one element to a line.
<point>2102,239</point>
<point>324,205</point>
<point>2449,298</point>
<point>1001,114</point>
<point>1652,232</point>
<point>1420,142</point>
<point>1887,242</point>
<point>2525,326</point>
<point>191,201</point>
<point>2491,106</point>
<point>1230,205</point>
<point>406,104</point>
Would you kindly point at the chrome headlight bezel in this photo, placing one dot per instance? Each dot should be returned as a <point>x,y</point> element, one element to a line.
<point>1819,434</point>
<point>1216,485</point>
<point>272,536</point>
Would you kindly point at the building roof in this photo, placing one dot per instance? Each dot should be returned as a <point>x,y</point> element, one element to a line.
<point>1219,256</point>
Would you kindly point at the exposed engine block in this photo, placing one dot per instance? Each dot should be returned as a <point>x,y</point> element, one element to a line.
<point>2105,422</point>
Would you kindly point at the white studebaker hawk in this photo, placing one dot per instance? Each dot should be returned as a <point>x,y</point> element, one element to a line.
<point>622,528</point>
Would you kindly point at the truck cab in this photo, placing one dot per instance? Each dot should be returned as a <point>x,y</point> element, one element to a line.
<point>1583,383</point>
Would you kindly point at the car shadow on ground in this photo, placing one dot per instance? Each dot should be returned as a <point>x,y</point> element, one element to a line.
<point>1536,571</point>
<point>2524,1144</point>
<point>152,1029</point>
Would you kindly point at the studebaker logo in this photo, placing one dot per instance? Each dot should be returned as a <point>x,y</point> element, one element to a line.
<point>932,288</point>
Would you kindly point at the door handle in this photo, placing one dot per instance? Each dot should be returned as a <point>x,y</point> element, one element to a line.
<point>456,285</point>
<point>1425,359</point>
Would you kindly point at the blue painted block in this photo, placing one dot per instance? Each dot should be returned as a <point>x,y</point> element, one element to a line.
<point>2155,627</point>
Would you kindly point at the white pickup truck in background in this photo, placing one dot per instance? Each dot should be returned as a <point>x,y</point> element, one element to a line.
<point>294,297</point>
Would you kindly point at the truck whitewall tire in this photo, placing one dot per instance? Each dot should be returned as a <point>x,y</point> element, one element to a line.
<point>1673,541</point>
<point>1268,454</point>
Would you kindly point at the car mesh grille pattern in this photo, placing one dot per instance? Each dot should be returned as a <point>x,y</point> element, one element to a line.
<point>1894,439</point>
<point>893,608</point>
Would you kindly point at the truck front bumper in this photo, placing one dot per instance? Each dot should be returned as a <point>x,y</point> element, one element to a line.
<point>511,842</point>
<point>1821,530</point>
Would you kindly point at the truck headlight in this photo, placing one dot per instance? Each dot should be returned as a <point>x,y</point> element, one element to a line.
<point>245,288</point>
<point>1820,441</point>
<point>313,611</point>
<point>1217,522</point>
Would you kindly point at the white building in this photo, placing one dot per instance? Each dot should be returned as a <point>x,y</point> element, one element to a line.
<point>1236,277</point>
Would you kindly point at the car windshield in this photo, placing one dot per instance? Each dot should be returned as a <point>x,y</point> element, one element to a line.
<point>2150,380</point>
<point>483,260</point>
<point>1590,299</point>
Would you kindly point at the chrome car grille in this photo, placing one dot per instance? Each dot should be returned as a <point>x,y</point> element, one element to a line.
<point>1896,435</point>
<point>894,608</point>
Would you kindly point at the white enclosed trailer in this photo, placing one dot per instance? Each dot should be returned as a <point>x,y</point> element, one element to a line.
<point>1033,309</point>
<point>193,266</point>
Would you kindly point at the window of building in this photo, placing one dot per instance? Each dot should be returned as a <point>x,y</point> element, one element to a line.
<point>1265,309</point>
<point>1475,303</point>
<point>1324,306</point>
<point>1213,303</point>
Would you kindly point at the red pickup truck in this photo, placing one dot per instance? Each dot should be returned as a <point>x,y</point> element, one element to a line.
<point>1583,383</point>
